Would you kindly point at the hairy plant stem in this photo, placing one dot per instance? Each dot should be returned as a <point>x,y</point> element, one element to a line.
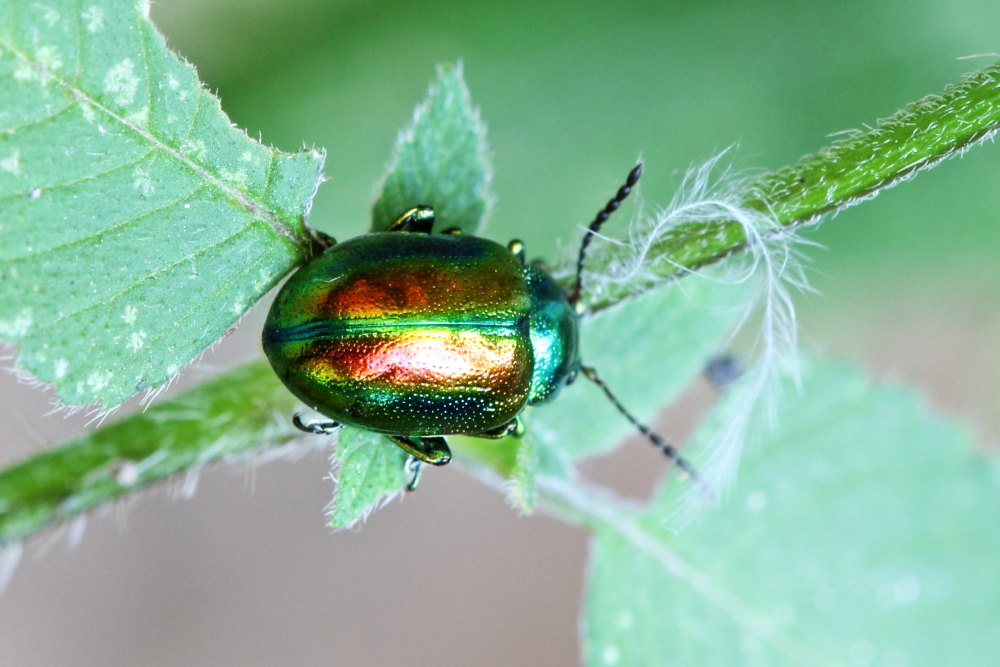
<point>845,173</point>
<point>241,410</point>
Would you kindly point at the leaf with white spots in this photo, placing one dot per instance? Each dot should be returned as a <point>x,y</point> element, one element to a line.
<point>862,531</point>
<point>137,223</point>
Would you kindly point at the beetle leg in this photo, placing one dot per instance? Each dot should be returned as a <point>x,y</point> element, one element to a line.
<point>320,240</point>
<point>429,449</point>
<point>412,466</point>
<point>517,248</point>
<point>319,427</point>
<point>418,219</point>
<point>514,427</point>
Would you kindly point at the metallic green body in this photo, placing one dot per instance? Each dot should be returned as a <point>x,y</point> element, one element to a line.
<point>554,336</point>
<point>416,334</point>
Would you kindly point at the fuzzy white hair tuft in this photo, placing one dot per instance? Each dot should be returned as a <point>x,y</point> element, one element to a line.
<point>10,556</point>
<point>771,265</point>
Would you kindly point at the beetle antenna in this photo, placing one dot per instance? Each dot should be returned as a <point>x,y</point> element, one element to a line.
<point>599,220</point>
<point>669,450</point>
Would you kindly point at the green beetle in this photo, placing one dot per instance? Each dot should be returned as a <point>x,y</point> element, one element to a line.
<point>420,335</point>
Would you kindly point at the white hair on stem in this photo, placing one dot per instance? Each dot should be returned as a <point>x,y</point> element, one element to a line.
<point>71,531</point>
<point>10,556</point>
<point>771,265</point>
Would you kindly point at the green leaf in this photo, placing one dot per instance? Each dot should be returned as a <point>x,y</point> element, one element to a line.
<point>229,416</point>
<point>441,160</point>
<point>647,350</point>
<point>863,531</point>
<point>372,471</point>
<point>138,224</point>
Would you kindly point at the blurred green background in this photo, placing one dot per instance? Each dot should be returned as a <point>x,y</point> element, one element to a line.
<point>572,93</point>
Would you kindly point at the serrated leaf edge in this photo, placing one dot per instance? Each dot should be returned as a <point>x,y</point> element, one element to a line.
<point>254,208</point>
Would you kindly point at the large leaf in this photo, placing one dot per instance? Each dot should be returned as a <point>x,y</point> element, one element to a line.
<point>137,223</point>
<point>862,532</point>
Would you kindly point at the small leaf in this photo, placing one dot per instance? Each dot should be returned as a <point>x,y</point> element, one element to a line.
<point>231,415</point>
<point>372,470</point>
<point>441,160</point>
<point>138,224</point>
<point>861,532</point>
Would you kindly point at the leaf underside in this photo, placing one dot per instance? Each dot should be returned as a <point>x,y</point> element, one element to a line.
<point>371,468</point>
<point>858,531</point>
<point>138,224</point>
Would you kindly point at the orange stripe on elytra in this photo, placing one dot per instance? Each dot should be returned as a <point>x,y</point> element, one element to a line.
<point>428,359</point>
<point>418,290</point>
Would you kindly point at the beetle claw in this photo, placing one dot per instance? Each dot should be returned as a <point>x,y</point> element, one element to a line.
<point>413,466</point>
<point>317,427</point>
<point>431,449</point>
<point>419,219</point>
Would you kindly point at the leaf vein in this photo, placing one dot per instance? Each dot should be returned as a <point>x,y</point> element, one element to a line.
<point>194,117</point>
<point>238,277</point>
<point>78,26</point>
<point>108,230</point>
<point>149,276</point>
<point>254,208</point>
<point>38,121</point>
<point>145,62</point>
<point>84,179</point>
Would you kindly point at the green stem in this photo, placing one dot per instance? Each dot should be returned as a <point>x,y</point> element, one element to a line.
<point>838,176</point>
<point>242,410</point>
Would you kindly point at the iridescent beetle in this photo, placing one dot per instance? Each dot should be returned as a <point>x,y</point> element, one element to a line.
<point>419,335</point>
